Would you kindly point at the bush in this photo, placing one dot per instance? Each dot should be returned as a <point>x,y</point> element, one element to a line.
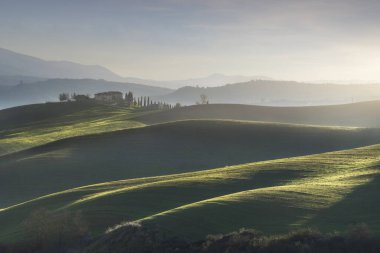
<point>359,232</point>
<point>358,239</point>
<point>241,241</point>
<point>66,235</point>
<point>47,230</point>
<point>132,237</point>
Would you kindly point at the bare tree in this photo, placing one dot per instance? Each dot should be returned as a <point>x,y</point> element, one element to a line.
<point>204,99</point>
<point>63,97</point>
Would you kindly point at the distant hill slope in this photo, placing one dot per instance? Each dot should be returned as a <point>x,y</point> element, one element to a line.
<point>40,92</point>
<point>15,64</point>
<point>277,93</point>
<point>329,191</point>
<point>160,150</point>
<point>6,80</point>
<point>32,125</point>
<point>364,114</point>
<point>25,115</point>
<point>212,80</point>
<point>28,126</point>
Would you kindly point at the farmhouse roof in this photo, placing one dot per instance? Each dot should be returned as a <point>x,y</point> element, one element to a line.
<point>109,93</point>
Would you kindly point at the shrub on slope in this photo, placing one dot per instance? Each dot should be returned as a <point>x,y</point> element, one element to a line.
<point>137,239</point>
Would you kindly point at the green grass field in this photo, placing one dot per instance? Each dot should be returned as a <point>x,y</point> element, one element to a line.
<point>271,176</point>
<point>163,149</point>
<point>29,126</point>
<point>329,191</point>
<point>33,125</point>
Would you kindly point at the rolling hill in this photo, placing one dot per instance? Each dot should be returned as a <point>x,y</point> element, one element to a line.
<point>329,191</point>
<point>364,114</point>
<point>163,149</point>
<point>277,93</point>
<point>29,126</point>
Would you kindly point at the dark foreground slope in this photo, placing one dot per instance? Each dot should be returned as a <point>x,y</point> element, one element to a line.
<point>329,191</point>
<point>357,239</point>
<point>365,114</point>
<point>163,149</point>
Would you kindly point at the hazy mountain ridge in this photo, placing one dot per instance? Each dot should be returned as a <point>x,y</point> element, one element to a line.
<point>6,80</point>
<point>277,93</point>
<point>15,64</point>
<point>16,67</point>
<point>209,81</point>
<point>34,80</point>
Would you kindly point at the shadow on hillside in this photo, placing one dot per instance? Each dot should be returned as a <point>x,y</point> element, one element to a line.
<point>360,206</point>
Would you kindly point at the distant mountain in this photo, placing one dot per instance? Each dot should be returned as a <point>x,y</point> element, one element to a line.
<point>16,67</point>
<point>40,92</point>
<point>209,81</point>
<point>15,64</point>
<point>33,80</point>
<point>277,93</point>
<point>17,79</point>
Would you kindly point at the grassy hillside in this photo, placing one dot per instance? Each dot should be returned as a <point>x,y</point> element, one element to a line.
<point>28,126</point>
<point>163,149</point>
<point>329,191</point>
<point>363,114</point>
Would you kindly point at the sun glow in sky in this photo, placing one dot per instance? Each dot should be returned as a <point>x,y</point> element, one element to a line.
<point>172,39</point>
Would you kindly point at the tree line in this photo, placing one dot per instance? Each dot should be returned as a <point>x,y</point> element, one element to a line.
<point>146,101</point>
<point>129,100</point>
<point>65,97</point>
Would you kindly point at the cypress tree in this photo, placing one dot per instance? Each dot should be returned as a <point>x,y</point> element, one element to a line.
<point>129,99</point>
<point>130,95</point>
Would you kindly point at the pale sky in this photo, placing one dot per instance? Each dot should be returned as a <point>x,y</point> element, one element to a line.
<point>175,39</point>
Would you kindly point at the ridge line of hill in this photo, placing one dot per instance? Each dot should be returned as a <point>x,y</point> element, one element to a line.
<point>168,123</point>
<point>154,180</point>
<point>175,147</point>
<point>314,184</point>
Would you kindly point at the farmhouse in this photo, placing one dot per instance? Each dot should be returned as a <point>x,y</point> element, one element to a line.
<point>82,98</point>
<point>109,97</point>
